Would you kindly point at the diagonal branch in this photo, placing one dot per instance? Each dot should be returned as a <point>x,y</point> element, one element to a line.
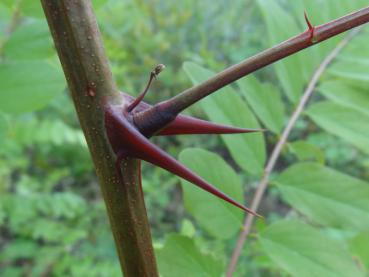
<point>295,44</point>
<point>279,146</point>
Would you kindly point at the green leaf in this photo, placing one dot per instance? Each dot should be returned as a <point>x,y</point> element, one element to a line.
<point>347,123</point>
<point>290,71</point>
<point>187,228</point>
<point>306,151</point>
<point>32,8</point>
<point>27,7</point>
<point>265,101</point>
<point>227,107</point>
<point>326,196</point>
<point>304,252</point>
<point>97,4</point>
<point>353,61</point>
<point>3,128</point>
<point>351,70</point>
<point>180,257</point>
<point>219,218</point>
<point>29,42</point>
<point>360,248</point>
<point>352,97</point>
<point>28,86</point>
<point>18,249</point>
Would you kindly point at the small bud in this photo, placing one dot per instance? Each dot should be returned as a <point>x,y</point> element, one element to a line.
<point>159,68</point>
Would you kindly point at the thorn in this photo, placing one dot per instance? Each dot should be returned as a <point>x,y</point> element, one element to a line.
<point>184,125</point>
<point>153,74</point>
<point>311,27</point>
<point>158,157</point>
<point>124,136</point>
<point>187,125</point>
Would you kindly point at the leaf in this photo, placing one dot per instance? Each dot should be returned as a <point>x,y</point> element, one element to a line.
<point>355,51</point>
<point>350,69</point>
<point>326,196</point>
<point>217,217</point>
<point>306,151</point>
<point>32,8</point>
<point>339,92</point>
<point>227,107</point>
<point>303,251</point>
<point>18,249</point>
<point>97,4</point>
<point>28,86</point>
<point>360,247</point>
<point>290,71</point>
<point>29,42</point>
<point>3,128</point>
<point>353,61</point>
<point>265,101</point>
<point>187,228</point>
<point>341,121</point>
<point>180,257</point>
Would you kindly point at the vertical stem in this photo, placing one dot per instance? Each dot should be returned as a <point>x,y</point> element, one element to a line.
<point>78,42</point>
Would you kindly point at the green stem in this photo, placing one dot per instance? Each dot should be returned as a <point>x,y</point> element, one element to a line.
<point>78,42</point>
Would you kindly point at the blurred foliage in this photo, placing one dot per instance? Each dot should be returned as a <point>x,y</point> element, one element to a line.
<point>52,218</point>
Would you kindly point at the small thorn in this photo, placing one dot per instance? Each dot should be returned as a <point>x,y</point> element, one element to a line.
<point>159,68</point>
<point>310,26</point>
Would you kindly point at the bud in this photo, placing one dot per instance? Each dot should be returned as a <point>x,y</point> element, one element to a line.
<point>159,68</point>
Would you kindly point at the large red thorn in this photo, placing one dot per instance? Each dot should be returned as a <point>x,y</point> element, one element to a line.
<point>127,140</point>
<point>189,125</point>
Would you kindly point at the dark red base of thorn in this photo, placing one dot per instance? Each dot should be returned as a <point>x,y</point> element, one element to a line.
<point>127,141</point>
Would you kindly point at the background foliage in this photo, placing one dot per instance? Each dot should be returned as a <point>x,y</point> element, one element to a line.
<point>52,218</point>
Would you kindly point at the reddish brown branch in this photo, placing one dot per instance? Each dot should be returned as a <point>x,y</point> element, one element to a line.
<point>293,45</point>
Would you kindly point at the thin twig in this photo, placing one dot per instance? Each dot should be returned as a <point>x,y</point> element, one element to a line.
<point>295,44</point>
<point>278,149</point>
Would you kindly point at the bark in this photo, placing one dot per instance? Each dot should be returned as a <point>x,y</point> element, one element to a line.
<point>80,49</point>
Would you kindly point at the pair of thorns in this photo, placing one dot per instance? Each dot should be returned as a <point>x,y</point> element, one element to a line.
<point>130,126</point>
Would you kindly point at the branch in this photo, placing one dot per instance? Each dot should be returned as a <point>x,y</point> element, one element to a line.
<point>78,42</point>
<point>278,149</point>
<point>304,40</point>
